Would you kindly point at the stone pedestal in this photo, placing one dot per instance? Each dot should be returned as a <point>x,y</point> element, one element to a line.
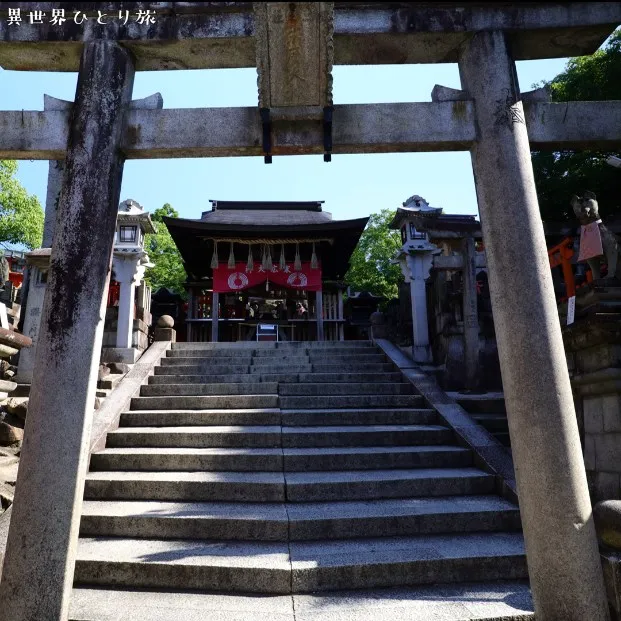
<point>593,349</point>
<point>37,263</point>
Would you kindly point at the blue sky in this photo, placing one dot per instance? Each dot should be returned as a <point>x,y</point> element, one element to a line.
<point>351,185</point>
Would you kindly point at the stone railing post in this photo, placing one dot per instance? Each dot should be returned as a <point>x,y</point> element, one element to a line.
<point>40,557</point>
<point>563,560</point>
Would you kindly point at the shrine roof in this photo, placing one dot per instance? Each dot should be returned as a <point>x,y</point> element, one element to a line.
<point>270,223</point>
<point>257,214</point>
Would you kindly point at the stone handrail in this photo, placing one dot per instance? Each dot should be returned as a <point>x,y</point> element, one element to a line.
<point>106,419</point>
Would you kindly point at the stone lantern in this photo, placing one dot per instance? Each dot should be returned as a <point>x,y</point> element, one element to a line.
<point>129,262</point>
<point>415,259</point>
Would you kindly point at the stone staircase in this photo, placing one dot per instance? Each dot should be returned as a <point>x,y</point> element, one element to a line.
<point>288,468</point>
<point>489,411</point>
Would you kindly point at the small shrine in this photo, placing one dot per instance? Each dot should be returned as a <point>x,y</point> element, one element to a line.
<point>277,263</point>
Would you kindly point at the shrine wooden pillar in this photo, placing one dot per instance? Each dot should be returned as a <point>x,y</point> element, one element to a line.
<point>319,314</point>
<point>215,307</point>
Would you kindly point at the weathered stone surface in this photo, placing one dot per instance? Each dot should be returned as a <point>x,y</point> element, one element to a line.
<point>7,352</point>
<point>611,411</point>
<point>7,493</point>
<point>165,334</point>
<point>38,575</point>
<point>165,321</point>
<point>607,516</point>
<point>6,386</point>
<point>103,372</point>
<point>563,560</point>
<point>593,415</point>
<point>10,435</point>
<point>119,368</point>
<point>18,406</point>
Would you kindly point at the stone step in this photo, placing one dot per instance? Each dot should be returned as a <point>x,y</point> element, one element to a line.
<point>277,459</point>
<point>492,422</point>
<point>179,390</point>
<point>297,487</point>
<point>259,436</point>
<point>290,418</point>
<point>186,486</point>
<point>205,402</point>
<point>334,357</point>
<point>266,436</point>
<point>350,401</point>
<point>359,416</point>
<point>301,522</point>
<point>171,418</point>
<point>375,484</point>
<point>346,388</point>
<point>239,378</point>
<point>352,367</point>
<point>188,459</point>
<point>279,567</point>
<point>269,345</point>
<point>491,601</point>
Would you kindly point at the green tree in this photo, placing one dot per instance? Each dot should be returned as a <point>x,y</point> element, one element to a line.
<point>168,270</point>
<point>21,215</point>
<point>371,268</point>
<point>561,174</point>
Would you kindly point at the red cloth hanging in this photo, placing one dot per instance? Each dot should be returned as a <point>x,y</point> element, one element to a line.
<point>226,280</point>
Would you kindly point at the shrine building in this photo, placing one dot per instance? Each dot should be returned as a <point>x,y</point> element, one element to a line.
<point>252,265</point>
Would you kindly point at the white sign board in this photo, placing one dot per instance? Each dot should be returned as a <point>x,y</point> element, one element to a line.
<point>571,309</point>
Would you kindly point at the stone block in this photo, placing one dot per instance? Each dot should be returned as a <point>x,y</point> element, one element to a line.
<point>589,452</point>
<point>104,371</point>
<point>593,415</point>
<point>165,334</point>
<point>119,354</point>
<point>606,486</point>
<point>10,435</point>
<point>611,412</point>
<point>119,367</point>
<point>18,406</point>
<point>608,452</point>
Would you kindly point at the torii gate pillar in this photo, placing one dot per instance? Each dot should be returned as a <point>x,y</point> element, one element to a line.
<point>563,558</point>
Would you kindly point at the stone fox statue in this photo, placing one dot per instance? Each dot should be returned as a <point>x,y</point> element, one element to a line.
<point>587,211</point>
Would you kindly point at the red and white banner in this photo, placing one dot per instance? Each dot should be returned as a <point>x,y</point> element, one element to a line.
<point>240,277</point>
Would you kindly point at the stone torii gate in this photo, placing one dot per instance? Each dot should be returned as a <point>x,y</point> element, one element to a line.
<point>294,45</point>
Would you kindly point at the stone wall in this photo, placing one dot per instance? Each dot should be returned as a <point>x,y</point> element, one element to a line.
<point>593,349</point>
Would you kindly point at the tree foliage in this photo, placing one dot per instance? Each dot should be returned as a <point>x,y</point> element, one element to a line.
<point>168,270</point>
<point>371,269</point>
<point>561,174</point>
<point>21,215</point>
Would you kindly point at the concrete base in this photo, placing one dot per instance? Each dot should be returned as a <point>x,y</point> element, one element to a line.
<point>120,354</point>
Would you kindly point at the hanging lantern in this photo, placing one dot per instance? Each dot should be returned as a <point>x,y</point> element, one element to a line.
<point>214,257</point>
<point>250,262</point>
<point>314,263</point>
<point>283,263</point>
<point>297,264</point>
<point>231,263</point>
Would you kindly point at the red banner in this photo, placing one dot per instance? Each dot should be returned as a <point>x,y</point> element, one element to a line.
<point>226,279</point>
